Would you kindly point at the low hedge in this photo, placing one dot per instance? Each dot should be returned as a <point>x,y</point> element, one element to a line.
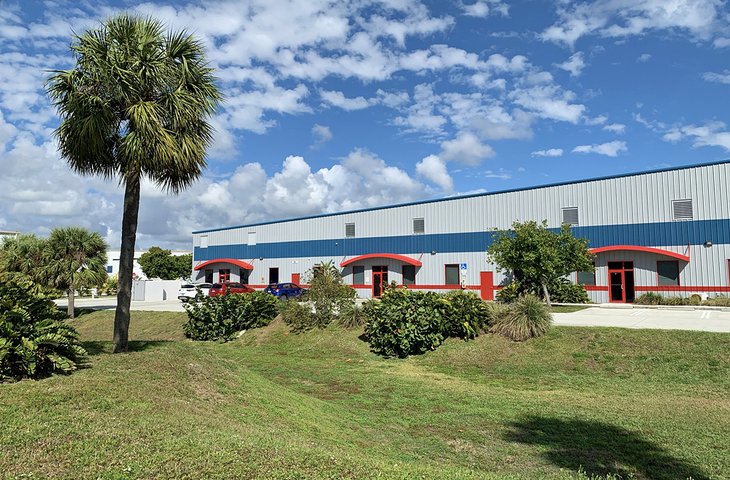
<point>220,318</point>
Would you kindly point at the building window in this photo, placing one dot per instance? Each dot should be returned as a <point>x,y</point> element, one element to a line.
<point>570,215</point>
<point>109,269</point>
<point>273,275</point>
<point>587,277</point>
<point>409,275</point>
<point>668,272</point>
<point>349,230</point>
<point>682,209</point>
<point>224,275</point>
<point>204,241</point>
<point>251,238</point>
<point>358,275</point>
<point>419,225</point>
<point>244,276</point>
<point>452,274</point>
<point>208,275</point>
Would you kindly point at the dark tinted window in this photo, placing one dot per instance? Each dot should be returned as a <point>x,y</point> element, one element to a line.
<point>358,275</point>
<point>452,274</point>
<point>409,274</point>
<point>668,272</point>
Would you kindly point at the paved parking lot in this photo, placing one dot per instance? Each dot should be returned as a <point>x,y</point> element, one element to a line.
<point>666,318</point>
<point>716,320</point>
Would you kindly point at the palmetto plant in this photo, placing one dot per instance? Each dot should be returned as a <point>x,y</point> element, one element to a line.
<point>135,105</point>
<point>76,259</point>
<point>34,339</point>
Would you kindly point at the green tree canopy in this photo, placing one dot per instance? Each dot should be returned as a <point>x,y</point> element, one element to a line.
<point>536,256</point>
<point>136,104</point>
<point>159,263</point>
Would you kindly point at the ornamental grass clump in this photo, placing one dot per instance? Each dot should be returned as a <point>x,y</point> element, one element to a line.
<point>35,341</point>
<point>526,318</point>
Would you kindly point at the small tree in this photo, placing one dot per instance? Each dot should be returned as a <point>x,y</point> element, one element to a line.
<point>160,263</point>
<point>536,257</point>
<point>76,259</point>
<point>24,256</point>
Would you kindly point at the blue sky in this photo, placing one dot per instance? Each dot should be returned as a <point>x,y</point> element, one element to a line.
<point>333,106</point>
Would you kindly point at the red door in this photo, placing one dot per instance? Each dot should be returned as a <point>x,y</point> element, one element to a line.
<point>621,282</point>
<point>295,278</point>
<point>224,275</point>
<point>380,280</point>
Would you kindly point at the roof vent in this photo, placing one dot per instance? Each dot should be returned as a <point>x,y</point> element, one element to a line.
<point>419,225</point>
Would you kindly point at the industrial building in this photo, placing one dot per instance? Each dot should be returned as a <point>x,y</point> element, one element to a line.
<point>665,231</point>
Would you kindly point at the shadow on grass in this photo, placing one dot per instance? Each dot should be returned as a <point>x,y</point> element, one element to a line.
<point>600,449</point>
<point>96,347</point>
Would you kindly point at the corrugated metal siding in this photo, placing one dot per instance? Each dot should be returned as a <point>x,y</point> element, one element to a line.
<point>632,210</point>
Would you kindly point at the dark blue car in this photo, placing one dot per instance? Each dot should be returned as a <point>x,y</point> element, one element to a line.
<point>285,290</point>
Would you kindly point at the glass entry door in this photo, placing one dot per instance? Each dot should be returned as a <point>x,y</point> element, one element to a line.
<point>621,282</point>
<point>380,280</point>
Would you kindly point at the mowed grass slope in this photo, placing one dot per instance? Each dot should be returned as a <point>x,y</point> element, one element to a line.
<point>273,404</point>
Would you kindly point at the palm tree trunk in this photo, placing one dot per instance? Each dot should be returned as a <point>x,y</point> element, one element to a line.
<point>70,309</point>
<point>126,263</point>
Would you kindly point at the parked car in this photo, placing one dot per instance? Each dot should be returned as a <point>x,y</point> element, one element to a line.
<point>285,290</point>
<point>188,291</point>
<point>229,287</point>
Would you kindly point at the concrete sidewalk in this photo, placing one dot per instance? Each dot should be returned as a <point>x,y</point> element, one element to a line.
<point>663,318</point>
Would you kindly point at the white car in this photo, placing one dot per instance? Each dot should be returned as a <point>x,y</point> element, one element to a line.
<point>188,291</point>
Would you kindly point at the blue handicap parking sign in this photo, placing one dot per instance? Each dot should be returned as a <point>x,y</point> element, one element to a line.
<point>463,266</point>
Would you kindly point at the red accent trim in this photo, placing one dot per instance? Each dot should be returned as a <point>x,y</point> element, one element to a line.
<point>486,290</point>
<point>597,288</point>
<point>392,256</point>
<point>233,261</point>
<point>636,248</point>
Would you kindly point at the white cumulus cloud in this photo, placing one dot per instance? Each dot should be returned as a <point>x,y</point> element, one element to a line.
<point>610,149</point>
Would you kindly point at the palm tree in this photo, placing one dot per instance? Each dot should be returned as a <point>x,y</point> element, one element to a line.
<point>24,255</point>
<point>76,258</point>
<point>135,105</point>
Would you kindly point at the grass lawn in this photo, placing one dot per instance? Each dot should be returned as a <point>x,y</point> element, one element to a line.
<point>568,308</point>
<point>272,404</point>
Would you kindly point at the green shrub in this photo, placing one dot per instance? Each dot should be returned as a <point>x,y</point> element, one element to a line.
<point>467,315</point>
<point>718,301</point>
<point>111,285</point>
<point>327,300</point>
<point>35,341</point>
<point>526,318</point>
<point>405,322</point>
<point>508,293</point>
<point>220,318</point>
<point>674,301</point>
<point>298,315</point>
<point>565,291</point>
<point>649,298</point>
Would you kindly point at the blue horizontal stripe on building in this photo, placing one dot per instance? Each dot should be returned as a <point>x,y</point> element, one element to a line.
<point>641,234</point>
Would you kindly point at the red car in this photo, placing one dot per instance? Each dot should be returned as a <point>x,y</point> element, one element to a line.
<point>222,288</point>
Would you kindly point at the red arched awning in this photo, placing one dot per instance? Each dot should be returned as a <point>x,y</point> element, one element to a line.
<point>233,261</point>
<point>392,256</point>
<point>635,248</point>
